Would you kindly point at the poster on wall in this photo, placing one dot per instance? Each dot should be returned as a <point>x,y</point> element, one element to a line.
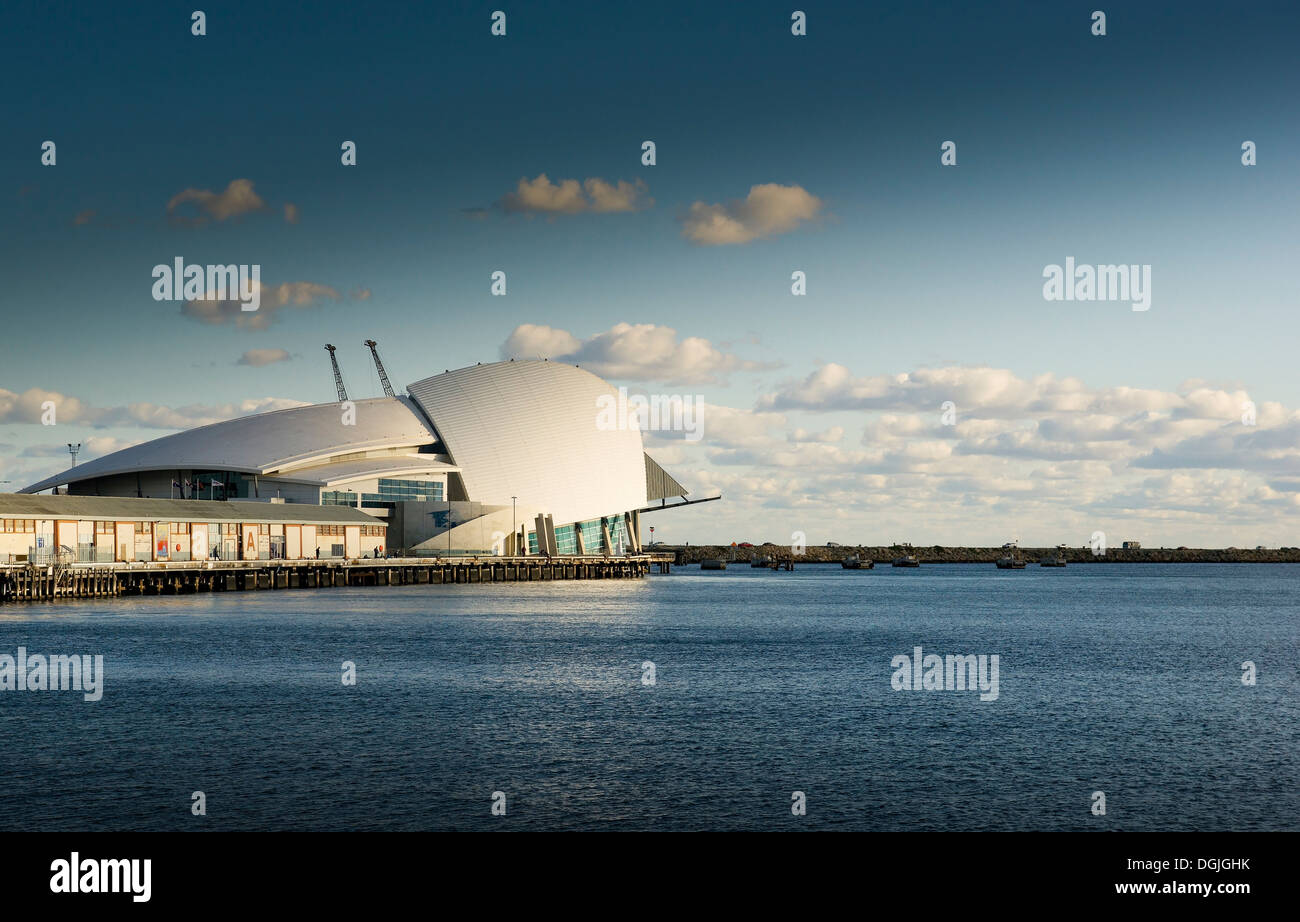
<point>161,534</point>
<point>250,542</point>
<point>199,543</point>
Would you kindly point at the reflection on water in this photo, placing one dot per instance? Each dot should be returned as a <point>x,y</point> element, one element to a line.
<point>1123,679</point>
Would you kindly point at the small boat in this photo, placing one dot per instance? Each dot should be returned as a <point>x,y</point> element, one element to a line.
<point>1056,560</point>
<point>763,561</point>
<point>713,563</point>
<point>906,561</point>
<point>854,562</point>
<point>1011,560</point>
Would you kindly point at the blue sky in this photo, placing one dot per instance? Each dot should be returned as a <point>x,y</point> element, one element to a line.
<point>1123,148</point>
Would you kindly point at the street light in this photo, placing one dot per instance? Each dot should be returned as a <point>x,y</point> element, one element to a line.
<point>72,450</point>
<point>514,527</point>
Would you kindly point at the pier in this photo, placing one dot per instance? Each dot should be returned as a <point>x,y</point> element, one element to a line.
<point>28,583</point>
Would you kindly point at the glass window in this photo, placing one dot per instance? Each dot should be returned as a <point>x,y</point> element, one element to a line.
<point>392,490</point>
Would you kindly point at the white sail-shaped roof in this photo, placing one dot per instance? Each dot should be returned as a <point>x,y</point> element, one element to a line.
<point>530,429</point>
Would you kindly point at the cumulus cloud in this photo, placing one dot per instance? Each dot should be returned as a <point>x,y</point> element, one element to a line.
<point>635,352</point>
<point>259,357</point>
<point>238,198</point>
<point>1042,457</point>
<point>30,406</point>
<point>568,196</point>
<point>833,434</point>
<point>769,209</point>
<point>991,392</point>
<point>534,341</point>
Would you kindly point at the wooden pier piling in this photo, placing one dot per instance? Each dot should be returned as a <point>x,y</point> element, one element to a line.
<point>26,583</point>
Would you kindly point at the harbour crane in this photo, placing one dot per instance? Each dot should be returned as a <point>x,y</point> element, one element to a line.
<point>379,366</point>
<point>338,376</point>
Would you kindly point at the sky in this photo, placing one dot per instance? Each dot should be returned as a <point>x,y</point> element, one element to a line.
<point>823,413</point>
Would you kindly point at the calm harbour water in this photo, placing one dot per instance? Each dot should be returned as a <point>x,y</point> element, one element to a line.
<point>1118,678</point>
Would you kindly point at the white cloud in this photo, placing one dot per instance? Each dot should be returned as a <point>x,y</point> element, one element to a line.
<point>988,393</point>
<point>767,210</point>
<point>833,434</point>
<point>300,295</point>
<point>238,198</point>
<point>259,357</point>
<point>1043,458</point>
<point>568,196</point>
<point>27,408</point>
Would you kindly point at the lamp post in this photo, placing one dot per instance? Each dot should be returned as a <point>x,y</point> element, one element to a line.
<point>72,450</point>
<point>514,527</point>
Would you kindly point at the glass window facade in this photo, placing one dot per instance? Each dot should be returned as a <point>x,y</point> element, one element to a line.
<point>593,539</point>
<point>565,543</point>
<point>422,491</point>
<point>390,491</point>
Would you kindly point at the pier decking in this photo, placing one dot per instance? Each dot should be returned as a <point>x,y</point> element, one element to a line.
<point>83,581</point>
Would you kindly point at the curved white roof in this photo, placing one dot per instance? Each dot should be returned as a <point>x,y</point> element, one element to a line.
<point>266,442</point>
<point>529,429</point>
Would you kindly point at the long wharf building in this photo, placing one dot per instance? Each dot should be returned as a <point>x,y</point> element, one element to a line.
<point>102,529</point>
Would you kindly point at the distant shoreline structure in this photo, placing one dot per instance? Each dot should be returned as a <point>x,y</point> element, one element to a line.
<point>943,554</point>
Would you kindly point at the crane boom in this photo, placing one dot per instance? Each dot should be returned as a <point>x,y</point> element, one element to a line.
<point>338,376</point>
<point>383,377</point>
